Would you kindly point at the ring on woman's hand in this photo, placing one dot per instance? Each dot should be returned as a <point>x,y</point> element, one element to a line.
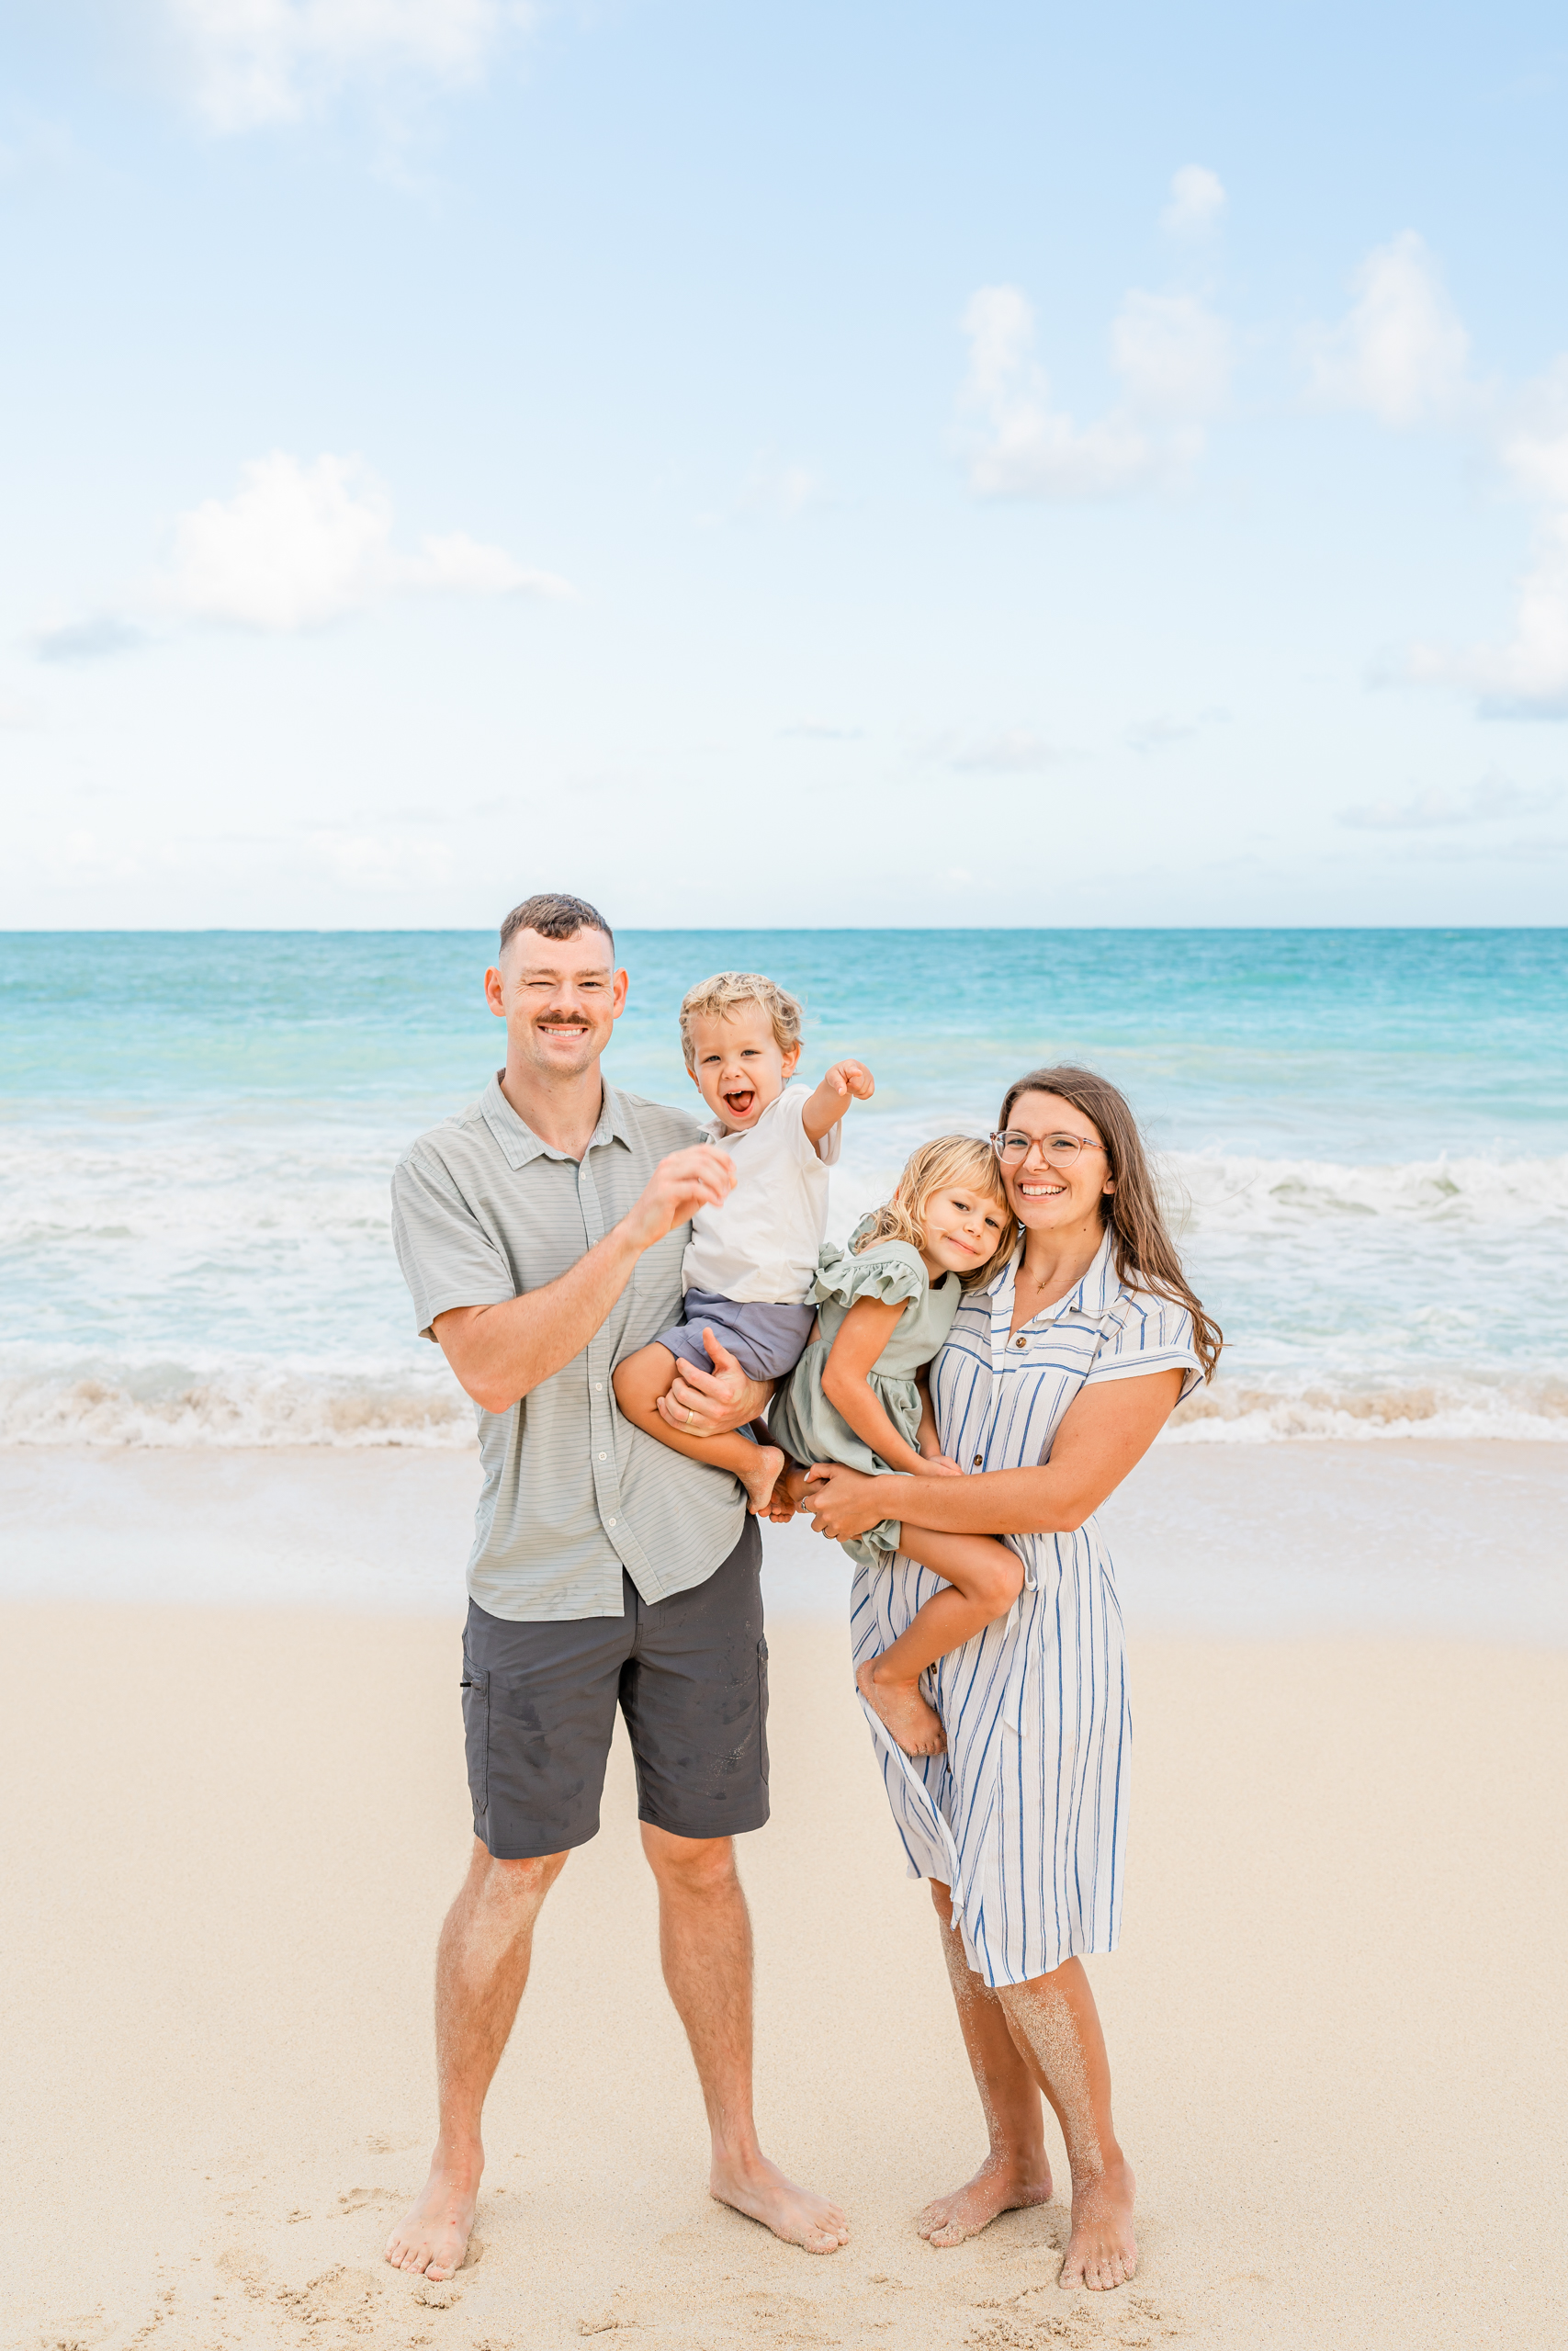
<point>691,1416</point>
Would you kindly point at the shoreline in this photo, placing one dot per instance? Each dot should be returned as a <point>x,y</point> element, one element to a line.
<point>1461,1539</point>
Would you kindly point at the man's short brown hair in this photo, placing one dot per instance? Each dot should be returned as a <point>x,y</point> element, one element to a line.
<point>554,916</point>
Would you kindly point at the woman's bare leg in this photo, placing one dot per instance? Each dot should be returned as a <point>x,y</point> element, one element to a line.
<point>1015,2171</point>
<point>1025,2039</point>
<point>983,1579</point>
<point>1055,2025</point>
<point>643,1378</point>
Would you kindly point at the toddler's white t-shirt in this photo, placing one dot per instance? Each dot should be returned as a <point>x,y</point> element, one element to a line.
<point>760,1245</point>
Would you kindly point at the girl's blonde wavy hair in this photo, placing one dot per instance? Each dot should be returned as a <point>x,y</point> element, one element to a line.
<point>953,1162</point>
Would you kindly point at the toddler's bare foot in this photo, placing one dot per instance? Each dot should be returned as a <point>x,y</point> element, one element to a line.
<point>760,1478</point>
<point>788,1494</point>
<point>915,1727</point>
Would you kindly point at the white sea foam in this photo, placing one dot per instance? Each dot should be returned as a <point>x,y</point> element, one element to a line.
<point>230,1280</point>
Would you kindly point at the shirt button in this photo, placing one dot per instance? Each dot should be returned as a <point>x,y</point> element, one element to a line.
<point>1023,1342</point>
<point>609,1523</point>
<point>603,1456</point>
<point>598,1387</point>
<point>979,1459</point>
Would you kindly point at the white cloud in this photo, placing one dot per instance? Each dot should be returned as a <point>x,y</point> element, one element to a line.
<point>301,544</point>
<point>250,62</point>
<point>1197,200</point>
<point>1014,752</point>
<point>1164,733</point>
<point>1491,801</point>
<point>1527,675</point>
<point>1173,357</point>
<point>1400,352</point>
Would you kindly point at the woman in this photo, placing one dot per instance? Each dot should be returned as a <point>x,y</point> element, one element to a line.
<point>1052,1384</point>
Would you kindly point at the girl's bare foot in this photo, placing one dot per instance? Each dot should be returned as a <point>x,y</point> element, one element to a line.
<point>1103,2251</point>
<point>999,2186</point>
<point>760,1478</point>
<point>915,1727</point>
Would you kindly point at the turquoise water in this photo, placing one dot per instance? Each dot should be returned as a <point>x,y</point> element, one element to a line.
<point>1364,1137</point>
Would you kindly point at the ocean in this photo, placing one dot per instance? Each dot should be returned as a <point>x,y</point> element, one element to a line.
<point>1362,1136</point>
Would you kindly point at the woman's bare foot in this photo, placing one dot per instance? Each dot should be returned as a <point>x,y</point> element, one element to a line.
<point>760,2189</point>
<point>433,2235</point>
<point>760,1479</point>
<point>1103,2251</point>
<point>915,1727</point>
<point>1000,2184</point>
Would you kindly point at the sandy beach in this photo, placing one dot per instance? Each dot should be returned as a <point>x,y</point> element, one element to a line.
<point>231,1833</point>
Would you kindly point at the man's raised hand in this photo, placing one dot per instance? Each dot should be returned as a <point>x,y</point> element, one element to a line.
<point>699,1177</point>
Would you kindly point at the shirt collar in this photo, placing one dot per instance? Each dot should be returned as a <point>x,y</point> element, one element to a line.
<point>518,1140</point>
<point>1092,1296</point>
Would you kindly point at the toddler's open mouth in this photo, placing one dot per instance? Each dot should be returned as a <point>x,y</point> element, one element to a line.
<point>741,1103</point>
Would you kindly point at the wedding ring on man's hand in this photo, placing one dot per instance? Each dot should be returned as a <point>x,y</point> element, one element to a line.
<point>691,1416</point>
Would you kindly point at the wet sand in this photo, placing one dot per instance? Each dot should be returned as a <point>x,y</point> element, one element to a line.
<point>230,1835</point>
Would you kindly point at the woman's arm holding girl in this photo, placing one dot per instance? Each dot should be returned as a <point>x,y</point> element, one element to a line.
<point>1104,1434</point>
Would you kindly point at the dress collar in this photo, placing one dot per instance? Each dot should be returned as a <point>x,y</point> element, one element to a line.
<point>1090,1298</point>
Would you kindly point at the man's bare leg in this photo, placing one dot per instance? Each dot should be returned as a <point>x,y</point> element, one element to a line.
<point>705,1943</point>
<point>1015,2172</point>
<point>1057,2026</point>
<point>481,1966</point>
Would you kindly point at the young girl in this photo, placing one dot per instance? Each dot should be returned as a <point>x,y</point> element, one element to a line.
<point>886,1306</point>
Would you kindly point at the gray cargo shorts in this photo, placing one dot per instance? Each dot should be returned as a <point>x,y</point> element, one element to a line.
<point>690,1674</point>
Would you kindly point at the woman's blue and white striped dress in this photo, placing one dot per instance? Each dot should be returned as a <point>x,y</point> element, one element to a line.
<point>1025,1816</point>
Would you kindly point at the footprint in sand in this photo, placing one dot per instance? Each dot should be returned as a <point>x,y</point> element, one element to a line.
<point>357,2198</point>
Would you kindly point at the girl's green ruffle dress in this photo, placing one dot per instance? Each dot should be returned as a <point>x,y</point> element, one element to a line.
<point>807,1425</point>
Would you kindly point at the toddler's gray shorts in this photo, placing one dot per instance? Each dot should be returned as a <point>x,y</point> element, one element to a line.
<point>766,1342</point>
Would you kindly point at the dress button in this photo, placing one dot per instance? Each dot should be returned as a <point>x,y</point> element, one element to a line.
<point>1023,1342</point>
<point>979,1459</point>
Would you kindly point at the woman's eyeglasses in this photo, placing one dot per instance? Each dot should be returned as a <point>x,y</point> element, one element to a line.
<point>1057,1151</point>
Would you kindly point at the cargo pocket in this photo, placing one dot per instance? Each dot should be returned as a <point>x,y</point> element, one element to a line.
<point>762,1709</point>
<point>476,1737</point>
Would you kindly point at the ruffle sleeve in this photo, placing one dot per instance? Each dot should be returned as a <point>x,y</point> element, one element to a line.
<point>890,1271</point>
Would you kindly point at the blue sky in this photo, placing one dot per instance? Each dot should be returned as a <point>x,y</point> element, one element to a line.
<point>887,465</point>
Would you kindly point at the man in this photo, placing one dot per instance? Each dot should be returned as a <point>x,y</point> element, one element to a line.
<point>541,1233</point>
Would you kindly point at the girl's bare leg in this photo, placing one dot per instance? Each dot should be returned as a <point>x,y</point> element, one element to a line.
<point>1022,2040</point>
<point>984,1578</point>
<point>1015,2171</point>
<point>639,1383</point>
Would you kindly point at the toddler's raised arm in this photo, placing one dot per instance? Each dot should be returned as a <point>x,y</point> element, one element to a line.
<point>845,1083</point>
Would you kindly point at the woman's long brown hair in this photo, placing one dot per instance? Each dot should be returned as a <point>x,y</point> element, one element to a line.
<point>1145,1255</point>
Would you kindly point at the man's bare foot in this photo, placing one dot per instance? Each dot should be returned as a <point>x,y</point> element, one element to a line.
<point>1103,2251</point>
<point>433,2235</point>
<point>760,2189</point>
<point>1000,2184</point>
<point>760,1478</point>
<point>915,1727</point>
